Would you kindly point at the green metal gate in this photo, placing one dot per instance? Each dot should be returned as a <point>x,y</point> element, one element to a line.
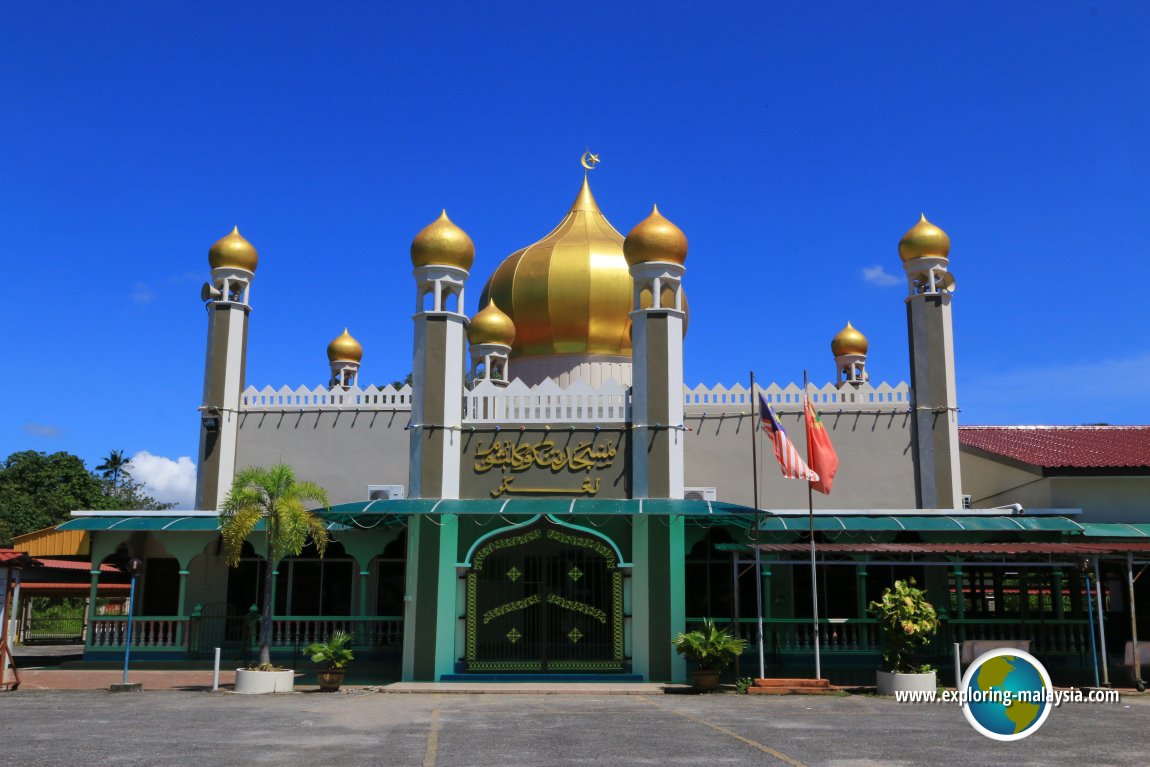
<point>545,599</point>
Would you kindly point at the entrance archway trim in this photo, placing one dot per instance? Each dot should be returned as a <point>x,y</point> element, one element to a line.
<point>466,563</point>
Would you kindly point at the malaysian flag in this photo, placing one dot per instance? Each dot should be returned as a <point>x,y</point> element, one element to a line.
<point>791,463</point>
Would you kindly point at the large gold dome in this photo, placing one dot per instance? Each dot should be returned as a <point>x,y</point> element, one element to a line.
<point>569,293</point>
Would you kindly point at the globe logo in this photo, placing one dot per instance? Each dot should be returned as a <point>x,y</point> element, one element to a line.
<point>1008,694</point>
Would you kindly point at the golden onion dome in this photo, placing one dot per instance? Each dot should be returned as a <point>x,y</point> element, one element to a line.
<point>923,240</point>
<point>570,292</point>
<point>233,252</point>
<point>849,341</point>
<point>344,349</point>
<point>442,243</point>
<point>491,326</point>
<point>655,239</point>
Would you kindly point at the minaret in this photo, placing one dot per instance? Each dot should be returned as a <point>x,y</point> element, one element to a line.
<point>233,261</point>
<point>344,354</point>
<point>924,251</point>
<point>655,251</point>
<point>489,337</point>
<point>441,254</point>
<point>850,348</point>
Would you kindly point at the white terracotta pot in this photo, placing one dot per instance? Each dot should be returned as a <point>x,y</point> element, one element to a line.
<point>262,682</point>
<point>889,684</point>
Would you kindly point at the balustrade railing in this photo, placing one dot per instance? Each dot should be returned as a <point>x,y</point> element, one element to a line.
<point>883,396</point>
<point>547,402</point>
<point>156,633</point>
<point>1064,636</point>
<point>301,398</point>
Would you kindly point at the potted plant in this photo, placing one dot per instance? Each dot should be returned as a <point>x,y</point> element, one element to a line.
<point>908,622</point>
<point>712,649</point>
<point>275,498</point>
<point>332,657</point>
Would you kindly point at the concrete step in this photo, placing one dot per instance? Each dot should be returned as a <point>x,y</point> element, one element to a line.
<point>815,683</point>
<point>790,690</point>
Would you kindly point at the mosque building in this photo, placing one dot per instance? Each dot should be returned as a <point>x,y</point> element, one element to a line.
<point>547,498</point>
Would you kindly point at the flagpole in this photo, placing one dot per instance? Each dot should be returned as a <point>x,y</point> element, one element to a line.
<point>755,530</point>
<point>814,572</point>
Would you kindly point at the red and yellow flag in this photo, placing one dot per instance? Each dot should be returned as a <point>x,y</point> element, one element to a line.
<point>821,456</point>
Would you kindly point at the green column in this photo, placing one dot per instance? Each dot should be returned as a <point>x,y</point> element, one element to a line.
<point>93,595</point>
<point>658,597</point>
<point>860,590</point>
<point>363,576</point>
<point>181,634</point>
<point>430,609</point>
<point>767,597</point>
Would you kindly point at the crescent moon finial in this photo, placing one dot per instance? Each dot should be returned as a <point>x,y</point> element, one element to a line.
<point>589,161</point>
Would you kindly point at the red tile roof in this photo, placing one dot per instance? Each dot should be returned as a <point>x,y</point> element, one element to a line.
<point>1078,447</point>
<point>16,558</point>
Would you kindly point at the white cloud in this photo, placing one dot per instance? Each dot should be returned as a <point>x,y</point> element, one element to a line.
<point>142,294</point>
<point>41,429</point>
<point>877,275</point>
<point>166,480</point>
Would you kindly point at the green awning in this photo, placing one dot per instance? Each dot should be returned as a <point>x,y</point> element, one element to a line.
<point>541,506</point>
<point>156,523</point>
<point>941,523</point>
<point>1114,530</point>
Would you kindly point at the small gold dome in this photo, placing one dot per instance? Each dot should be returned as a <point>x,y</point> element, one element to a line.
<point>924,239</point>
<point>344,348</point>
<point>233,252</point>
<point>655,239</point>
<point>849,341</point>
<point>491,326</point>
<point>442,243</point>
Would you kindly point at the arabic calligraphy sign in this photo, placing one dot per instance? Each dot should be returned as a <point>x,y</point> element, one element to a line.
<point>507,467</point>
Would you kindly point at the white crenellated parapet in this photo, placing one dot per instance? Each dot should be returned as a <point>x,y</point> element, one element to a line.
<point>323,398</point>
<point>547,402</point>
<point>788,398</point>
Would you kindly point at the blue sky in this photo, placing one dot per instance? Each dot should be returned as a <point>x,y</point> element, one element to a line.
<point>793,143</point>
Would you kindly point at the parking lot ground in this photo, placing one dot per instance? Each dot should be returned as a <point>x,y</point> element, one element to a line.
<point>365,728</point>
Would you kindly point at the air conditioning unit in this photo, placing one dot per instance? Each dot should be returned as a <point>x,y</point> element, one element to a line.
<point>700,494</point>
<point>386,492</point>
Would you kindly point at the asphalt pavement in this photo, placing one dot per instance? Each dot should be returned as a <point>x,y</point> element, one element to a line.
<point>162,728</point>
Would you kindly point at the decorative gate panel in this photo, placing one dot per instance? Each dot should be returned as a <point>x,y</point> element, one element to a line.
<point>545,599</point>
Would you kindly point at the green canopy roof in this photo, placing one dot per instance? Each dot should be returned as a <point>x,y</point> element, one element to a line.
<point>533,506</point>
<point>942,523</point>
<point>1114,530</point>
<point>156,523</point>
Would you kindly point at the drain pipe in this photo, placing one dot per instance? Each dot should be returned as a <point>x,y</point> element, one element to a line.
<point>1084,566</point>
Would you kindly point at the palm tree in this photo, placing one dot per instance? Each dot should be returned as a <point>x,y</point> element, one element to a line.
<point>272,496</point>
<point>114,467</point>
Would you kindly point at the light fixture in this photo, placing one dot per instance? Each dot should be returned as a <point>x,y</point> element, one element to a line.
<point>210,417</point>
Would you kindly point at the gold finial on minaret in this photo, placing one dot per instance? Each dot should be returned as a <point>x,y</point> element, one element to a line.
<point>588,160</point>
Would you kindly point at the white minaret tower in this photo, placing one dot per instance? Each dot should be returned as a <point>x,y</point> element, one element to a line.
<point>233,261</point>
<point>442,255</point>
<point>489,337</point>
<point>925,251</point>
<point>344,354</point>
<point>850,348</point>
<point>655,251</point>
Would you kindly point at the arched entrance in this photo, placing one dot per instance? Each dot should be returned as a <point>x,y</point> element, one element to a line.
<point>544,598</point>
